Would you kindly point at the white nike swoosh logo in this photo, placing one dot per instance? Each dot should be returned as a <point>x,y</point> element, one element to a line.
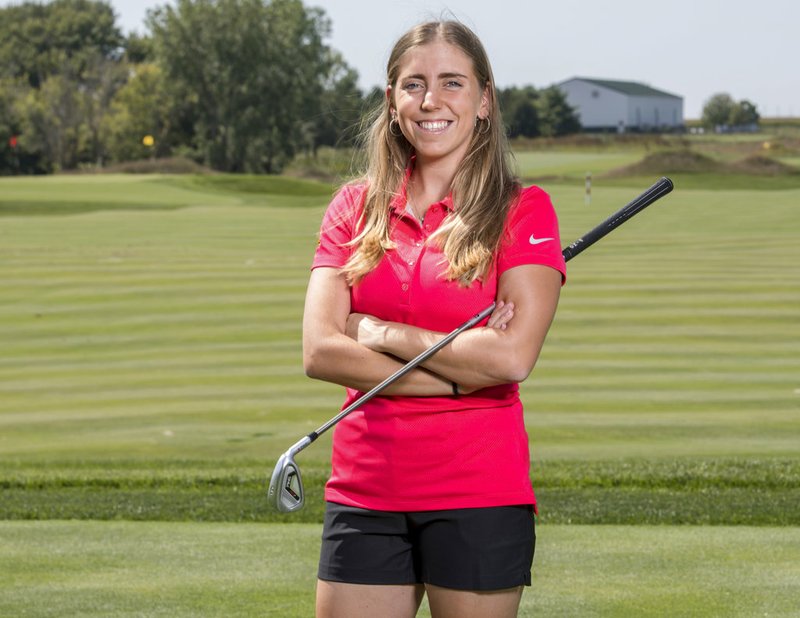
<point>536,241</point>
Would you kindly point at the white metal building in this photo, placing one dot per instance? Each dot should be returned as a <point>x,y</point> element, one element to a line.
<point>609,105</point>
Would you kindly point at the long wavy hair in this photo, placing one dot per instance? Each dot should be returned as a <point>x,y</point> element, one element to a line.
<point>482,189</point>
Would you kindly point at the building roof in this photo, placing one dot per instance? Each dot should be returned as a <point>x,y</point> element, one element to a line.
<point>635,89</point>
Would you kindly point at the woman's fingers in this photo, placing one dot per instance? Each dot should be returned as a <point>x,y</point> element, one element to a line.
<point>501,315</point>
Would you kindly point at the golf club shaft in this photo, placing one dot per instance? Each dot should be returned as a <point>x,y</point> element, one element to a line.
<point>658,190</point>
<point>409,366</point>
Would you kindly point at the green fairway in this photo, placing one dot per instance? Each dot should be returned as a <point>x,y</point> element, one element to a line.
<point>117,569</point>
<point>151,372</point>
<point>151,355</point>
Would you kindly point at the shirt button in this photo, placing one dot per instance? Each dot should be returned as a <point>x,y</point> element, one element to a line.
<point>404,287</point>
<point>410,262</point>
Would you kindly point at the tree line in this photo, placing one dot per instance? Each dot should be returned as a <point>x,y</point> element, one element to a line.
<point>237,85</point>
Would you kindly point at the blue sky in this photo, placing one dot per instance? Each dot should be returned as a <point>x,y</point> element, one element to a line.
<point>692,48</point>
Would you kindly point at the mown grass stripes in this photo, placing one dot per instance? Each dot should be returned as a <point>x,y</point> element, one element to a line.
<point>117,569</point>
<point>172,336</point>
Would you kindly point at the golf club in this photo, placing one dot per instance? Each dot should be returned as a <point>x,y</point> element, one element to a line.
<point>286,485</point>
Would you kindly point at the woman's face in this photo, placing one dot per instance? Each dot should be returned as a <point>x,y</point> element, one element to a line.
<point>437,99</point>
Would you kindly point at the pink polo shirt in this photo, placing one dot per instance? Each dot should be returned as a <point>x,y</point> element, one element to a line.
<point>431,453</point>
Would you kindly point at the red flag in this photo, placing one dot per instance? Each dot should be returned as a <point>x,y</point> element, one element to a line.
<point>12,141</point>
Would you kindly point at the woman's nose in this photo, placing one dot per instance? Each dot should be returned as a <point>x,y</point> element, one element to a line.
<point>430,101</point>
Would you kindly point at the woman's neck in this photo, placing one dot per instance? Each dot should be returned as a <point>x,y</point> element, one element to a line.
<point>429,183</point>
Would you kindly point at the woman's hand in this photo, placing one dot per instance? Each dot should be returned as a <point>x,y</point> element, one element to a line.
<point>502,352</point>
<point>371,332</point>
<point>501,316</point>
<point>367,330</point>
<point>333,350</point>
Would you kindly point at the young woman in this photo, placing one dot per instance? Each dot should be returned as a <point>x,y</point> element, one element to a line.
<point>430,489</point>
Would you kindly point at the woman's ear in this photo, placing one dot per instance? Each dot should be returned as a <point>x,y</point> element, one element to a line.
<point>389,98</point>
<point>486,102</point>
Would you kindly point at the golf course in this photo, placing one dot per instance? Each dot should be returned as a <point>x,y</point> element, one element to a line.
<point>151,375</point>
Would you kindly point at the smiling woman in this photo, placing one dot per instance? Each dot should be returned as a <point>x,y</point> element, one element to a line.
<point>437,228</point>
<point>438,103</point>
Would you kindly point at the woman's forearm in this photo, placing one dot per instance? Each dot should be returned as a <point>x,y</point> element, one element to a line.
<point>483,356</point>
<point>330,355</point>
<point>341,360</point>
<point>477,358</point>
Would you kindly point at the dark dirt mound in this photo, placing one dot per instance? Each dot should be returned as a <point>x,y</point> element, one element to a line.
<point>688,162</point>
<point>670,162</point>
<point>760,165</point>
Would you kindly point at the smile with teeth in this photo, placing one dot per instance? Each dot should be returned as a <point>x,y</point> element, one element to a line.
<point>434,125</point>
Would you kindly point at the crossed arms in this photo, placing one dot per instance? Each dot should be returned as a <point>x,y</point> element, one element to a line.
<point>359,351</point>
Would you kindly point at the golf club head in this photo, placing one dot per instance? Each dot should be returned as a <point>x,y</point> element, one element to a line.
<point>286,486</point>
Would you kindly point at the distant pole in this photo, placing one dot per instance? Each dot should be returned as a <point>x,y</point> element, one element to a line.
<point>587,199</point>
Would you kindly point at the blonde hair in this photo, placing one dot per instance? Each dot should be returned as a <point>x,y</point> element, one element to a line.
<point>482,188</point>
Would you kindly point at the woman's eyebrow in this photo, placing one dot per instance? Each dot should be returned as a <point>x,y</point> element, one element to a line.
<point>447,75</point>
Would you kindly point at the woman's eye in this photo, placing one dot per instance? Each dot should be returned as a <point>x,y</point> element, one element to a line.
<point>453,84</point>
<point>413,86</point>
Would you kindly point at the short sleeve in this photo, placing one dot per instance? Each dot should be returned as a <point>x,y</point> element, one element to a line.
<point>339,227</point>
<point>531,234</point>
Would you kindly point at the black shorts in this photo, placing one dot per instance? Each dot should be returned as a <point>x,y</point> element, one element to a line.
<point>466,549</point>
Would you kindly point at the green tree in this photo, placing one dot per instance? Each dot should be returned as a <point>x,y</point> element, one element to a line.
<point>520,114</point>
<point>373,99</point>
<point>62,37</point>
<point>24,156</point>
<point>717,110</point>
<point>556,116</point>
<point>141,107</point>
<point>62,118</point>
<point>65,61</point>
<point>340,105</point>
<point>743,113</point>
<point>138,49</point>
<point>252,71</point>
<point>102,79</point>
<point>9,127</point>
<point>53,123</point>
